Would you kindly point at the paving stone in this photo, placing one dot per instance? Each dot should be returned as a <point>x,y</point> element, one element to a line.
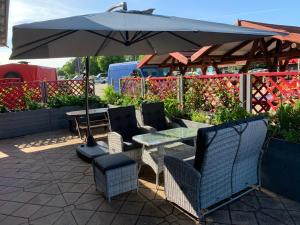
<point>41,199</point>
<point>264,219</point>
<point>151,210</point>
<point>11,220</point>
<point>66,219</point>
<point>45,211</point>
<point>70,198</point>
<point>82,216</point>
<point>10,207</point>
<point>270,203</point>
<point>219,216</point>
<point>243,218</point>
<point>91,205</point>
<point>26,210</point>
<point>101,218</point>
<point>88,197</point>
<point>295,216</point>
<point>81,188</point>
<point>290,204</point>
<point>113,206</point>
<point>148,220</point>
<point>132,207</point>
<point>280,215</point>
<point>124,219</point>
<point>47,220</point>
<point>58,201</point>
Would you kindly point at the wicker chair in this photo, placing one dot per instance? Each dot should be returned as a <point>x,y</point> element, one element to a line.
<point>226,162</point>
<point>123,126</point>
<point>153,114</point>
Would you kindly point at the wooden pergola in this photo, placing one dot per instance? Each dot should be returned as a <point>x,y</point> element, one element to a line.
<point>275,52</point>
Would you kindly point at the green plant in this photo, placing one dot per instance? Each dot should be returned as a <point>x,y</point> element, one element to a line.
<point>3,109</point>
<point>198,116</point>
<point>111,96</point>
<point>172,107</point>
<point>285,122</point>
<point>70,100</point>
<point>226,114</point>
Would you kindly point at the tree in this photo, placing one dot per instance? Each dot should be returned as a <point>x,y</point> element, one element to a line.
<point>104,61</point>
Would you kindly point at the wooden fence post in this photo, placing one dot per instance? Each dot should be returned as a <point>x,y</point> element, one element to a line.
<point>44,91</point>
<point>249,92</point>
<point>243,90</point>
<point>180,90</point>
<point>120,86</point>
<point>143,91</point>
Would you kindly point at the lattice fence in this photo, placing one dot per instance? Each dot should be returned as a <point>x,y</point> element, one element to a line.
<point>162,87</point>
<point>131,86</point>
<point>209,92</point>
<point>13,95</point>
<point>269,90</point>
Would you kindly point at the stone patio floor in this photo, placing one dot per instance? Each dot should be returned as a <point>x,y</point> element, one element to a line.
<point>42,181</point>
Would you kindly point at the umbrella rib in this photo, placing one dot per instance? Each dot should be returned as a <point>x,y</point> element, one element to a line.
<point>122,35</point>
<point>101,35</point>
<point>136,34</point>
<point>55,39</point>
<point>144,36</point>
<point>103,43</point>
<point>41,39</point>
<point>185,39</point>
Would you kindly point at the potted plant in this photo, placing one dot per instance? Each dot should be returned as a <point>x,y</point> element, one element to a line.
<point>280,171</point>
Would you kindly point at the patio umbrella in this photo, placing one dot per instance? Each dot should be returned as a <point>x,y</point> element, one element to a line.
<point>121,32</point>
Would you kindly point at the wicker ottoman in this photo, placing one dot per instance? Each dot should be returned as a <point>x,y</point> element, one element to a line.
<point>115,174</point>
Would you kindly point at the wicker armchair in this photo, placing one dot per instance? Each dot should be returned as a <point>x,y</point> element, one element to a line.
<point>226,162</point>
<point>153,114</point>
<point>123,126</point>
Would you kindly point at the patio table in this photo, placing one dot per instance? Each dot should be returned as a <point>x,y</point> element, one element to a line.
<point>95,124</point>
<point>166,142</point>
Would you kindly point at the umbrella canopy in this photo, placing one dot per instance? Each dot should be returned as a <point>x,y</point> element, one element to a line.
<point>122,33</point>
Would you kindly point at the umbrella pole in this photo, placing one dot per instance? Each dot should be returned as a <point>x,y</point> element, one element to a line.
<point>90,141</point>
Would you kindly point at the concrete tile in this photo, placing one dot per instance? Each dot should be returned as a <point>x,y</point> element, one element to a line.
<point>270,203</point>
<point>11,220</point>
<point>101,218</point>
<point>219,216</point>
<point>295,216</point>
<point>280,215</point>
<point>132,208</point>
<point>66,219</point>
<point>151,210</point>
<point>47,220</point>
<point>57,201</point>
<point>264,219</point>
<point>41,199</point>
<point>113,206</point>
<point>243,218</point>
<point>147,220</point>
<point>45,211</point>
<point>290,204</point>
<point>124,219</point>
<point>82,216</point>
<point>26,210</point>
<point>10,207</point>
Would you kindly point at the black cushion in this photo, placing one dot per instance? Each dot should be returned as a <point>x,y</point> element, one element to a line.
<point>130,145</point>
<point>153,115</point>
<point>113,161</point>
<point>123,121</point>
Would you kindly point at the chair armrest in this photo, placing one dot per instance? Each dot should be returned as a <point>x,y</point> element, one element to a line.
<point>146,129</point>
<point>182,183</point>
<point>173,125</point>
<point>115,142</point>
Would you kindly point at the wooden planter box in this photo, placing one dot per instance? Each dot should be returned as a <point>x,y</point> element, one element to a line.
<point>190,123</point>
<point>15,124</point>
<point>280,171</point>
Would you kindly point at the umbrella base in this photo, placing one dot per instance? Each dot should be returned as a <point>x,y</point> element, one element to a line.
<point>89,153</point>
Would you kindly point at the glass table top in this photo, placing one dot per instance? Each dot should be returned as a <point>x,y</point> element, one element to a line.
<point>166,136</point>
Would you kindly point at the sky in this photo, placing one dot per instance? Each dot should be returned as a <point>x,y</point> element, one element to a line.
<point>225,11</point>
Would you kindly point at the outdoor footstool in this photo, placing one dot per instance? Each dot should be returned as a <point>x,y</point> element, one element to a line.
<point>115,174</point>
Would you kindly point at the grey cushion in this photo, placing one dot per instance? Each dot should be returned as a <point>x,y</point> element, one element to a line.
<point>153,114</point>
<point>113,161</point>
